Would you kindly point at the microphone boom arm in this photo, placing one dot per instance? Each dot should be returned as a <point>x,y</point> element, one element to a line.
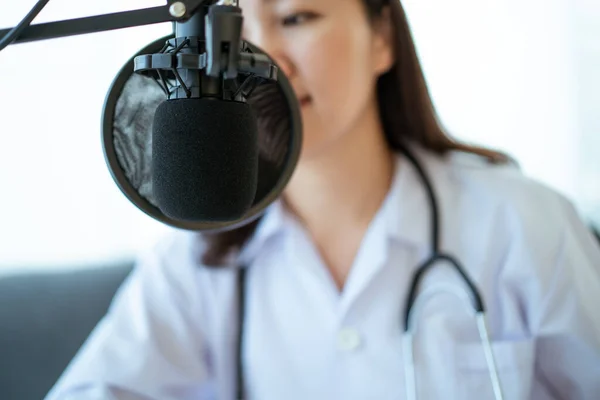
<point>174,11</point>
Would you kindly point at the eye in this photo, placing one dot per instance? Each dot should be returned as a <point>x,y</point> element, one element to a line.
<point>299,18</point>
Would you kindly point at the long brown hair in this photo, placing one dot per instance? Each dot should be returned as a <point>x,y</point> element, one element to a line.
<point>406,111</point>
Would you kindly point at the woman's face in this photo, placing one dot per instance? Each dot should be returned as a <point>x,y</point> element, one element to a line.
<point>331,54</point>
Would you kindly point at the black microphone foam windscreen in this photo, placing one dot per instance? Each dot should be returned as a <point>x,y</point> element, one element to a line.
<point>204,159</point>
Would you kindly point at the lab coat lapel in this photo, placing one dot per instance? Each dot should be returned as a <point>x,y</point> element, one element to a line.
<point>403,220</point>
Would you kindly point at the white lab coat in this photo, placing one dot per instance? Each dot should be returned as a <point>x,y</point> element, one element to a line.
<point>170,332</point>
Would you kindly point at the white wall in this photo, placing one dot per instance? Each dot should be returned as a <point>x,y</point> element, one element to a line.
<point>522,76</point>
<point>519,75</point>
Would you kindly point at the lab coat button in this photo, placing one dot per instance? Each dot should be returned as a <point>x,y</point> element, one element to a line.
<point>348,339</point>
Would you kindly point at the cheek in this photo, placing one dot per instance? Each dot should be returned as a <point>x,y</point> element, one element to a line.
<point>336,71</point>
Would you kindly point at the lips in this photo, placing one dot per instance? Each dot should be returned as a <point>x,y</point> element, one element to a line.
<point>304,100</point>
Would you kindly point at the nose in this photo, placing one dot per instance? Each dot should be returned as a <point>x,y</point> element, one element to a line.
<point>285,64</point>
<point>271,44</point>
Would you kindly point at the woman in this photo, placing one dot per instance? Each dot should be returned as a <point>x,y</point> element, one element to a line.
<point>329,265</point>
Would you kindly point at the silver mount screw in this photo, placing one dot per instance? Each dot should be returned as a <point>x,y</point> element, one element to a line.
<point>177,9</point>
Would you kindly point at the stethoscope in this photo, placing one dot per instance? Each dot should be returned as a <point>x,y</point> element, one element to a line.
<point>414,303</point>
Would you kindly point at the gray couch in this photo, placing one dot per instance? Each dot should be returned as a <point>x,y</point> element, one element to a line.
<point>44,319</point>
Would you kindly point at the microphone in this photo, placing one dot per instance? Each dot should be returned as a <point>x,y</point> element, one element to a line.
<point>224,143</point>
<point>204,139</point>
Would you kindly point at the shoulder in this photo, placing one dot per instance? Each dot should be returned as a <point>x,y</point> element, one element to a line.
<point>501,210</point>
<point>524,203</point>
<point>502,184</point>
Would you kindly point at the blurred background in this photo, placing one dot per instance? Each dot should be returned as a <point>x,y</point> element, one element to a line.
<point>519,75</point>
<point>522,76</point>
